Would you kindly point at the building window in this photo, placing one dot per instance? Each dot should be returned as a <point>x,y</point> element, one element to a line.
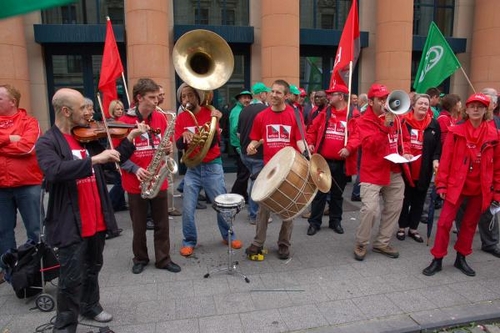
<point>228,17</point>
<point>86,12</point>
<point>439,11</point>
<point>201,16</point>
<point>324,14</point>
<point>68,14</point>
<point>327,21</point>
<point>213,12</point>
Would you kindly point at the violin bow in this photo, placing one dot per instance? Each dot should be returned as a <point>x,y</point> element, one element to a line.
<point>110,141</point>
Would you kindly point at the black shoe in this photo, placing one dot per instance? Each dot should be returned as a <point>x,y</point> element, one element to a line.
<point>121,209</point>
<point>435,266</point>
<point>494,251</point>
<point>150,224</point>
<point>283,252</point>
<point>461,264</point>
<point>401,235</point>
<point>438,205</point>
<point>201,197</point>
<point>114,234</point>
<point>200,205</point>
<point>355,198</point>
<point>416,236</point>
<point>337,228</point>
<point>138,268</point>
<point>172,267</point>
<point>312,230</point>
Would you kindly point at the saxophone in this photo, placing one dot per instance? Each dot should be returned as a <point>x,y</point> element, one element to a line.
<point>161,165</point>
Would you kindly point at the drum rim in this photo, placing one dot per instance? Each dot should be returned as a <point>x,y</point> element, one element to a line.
<point>241,200</point>
<point>260,179</point>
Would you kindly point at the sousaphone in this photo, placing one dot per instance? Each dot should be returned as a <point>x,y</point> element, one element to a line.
<point>203,60</point>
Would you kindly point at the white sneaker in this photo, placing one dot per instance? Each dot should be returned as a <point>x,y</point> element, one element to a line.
<point>103,317</point>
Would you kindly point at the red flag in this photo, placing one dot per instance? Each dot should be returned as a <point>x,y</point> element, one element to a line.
<point>348,49</point>
<point>111,69</point>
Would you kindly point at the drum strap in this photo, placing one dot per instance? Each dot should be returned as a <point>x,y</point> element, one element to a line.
<point>306,153</point>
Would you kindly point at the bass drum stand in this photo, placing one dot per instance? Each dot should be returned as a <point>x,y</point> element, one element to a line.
<point>228,205</point>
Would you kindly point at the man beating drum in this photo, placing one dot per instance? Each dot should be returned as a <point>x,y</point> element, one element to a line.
<point>275,128</point>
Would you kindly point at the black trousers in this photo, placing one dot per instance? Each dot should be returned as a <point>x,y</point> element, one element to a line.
<point>413,206</point>
<point>240,185</point>
<point>78,286</point>
<point>339,181</point>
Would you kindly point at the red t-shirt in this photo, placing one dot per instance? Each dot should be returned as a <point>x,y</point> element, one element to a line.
<point>334,138</point>
<point>417,144</point>
<point>277,129</point>
<point>185,122</point>
<point>145,145</point>
<point>89,200</point>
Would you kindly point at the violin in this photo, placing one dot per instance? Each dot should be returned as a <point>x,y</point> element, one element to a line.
<point>96,130</point>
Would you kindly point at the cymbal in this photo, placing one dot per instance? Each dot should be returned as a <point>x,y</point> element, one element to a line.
<point>320,173</point>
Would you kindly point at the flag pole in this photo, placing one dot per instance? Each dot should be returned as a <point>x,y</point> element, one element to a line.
<point>467,78</point>
<point>348,102</point>
<point>126,89</point>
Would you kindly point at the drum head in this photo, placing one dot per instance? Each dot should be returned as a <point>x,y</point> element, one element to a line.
<point>273,174</point>
<point>229,200</point>
<point>320,173</point>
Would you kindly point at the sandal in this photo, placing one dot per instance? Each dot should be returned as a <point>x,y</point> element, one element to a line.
<point>401,235</point>
<point>416,236</point>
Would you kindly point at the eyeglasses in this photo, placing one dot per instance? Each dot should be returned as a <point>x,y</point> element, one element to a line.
<point>478,107</point>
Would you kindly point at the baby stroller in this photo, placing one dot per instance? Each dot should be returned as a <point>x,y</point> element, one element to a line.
<point>31,265</point>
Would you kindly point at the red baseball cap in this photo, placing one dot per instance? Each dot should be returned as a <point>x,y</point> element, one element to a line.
<point>302,92</point>
<point>481,98</point>
<point>337,88</point>
<point>378,90</point>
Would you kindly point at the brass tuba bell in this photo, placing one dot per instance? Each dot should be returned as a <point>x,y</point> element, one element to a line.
<point>204,61</point>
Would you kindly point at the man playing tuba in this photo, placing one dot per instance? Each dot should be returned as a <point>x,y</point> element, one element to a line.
<point>207,173</point>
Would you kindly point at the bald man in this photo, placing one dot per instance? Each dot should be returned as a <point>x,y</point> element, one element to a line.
<point>79,207</point>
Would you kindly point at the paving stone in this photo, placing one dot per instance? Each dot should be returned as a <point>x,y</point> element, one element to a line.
<point>340,294</point>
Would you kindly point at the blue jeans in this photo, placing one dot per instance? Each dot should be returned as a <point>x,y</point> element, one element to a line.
<point>27,200</point>
<point>210,177</point>
<point>254,165</point>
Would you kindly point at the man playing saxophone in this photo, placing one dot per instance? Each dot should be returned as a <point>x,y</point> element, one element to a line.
<point>135,174</point>
<point>207,173</point>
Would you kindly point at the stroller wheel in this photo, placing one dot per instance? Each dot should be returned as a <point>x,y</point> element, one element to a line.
<point>45,302</point>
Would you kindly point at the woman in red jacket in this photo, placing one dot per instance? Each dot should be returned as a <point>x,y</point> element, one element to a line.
<point>469,169</point>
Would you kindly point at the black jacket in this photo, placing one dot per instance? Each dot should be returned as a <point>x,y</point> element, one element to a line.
<point>63,222</point>
<point>431,151</point>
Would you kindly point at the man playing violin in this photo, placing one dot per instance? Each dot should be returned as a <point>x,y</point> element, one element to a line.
<point>145,94</point>
<point>79,207</point>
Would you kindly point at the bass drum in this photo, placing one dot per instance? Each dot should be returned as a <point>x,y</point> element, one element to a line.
<point>285,185</point>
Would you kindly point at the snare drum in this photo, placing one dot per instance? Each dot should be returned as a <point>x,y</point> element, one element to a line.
<point>229,202</point>
<point>285,185</point>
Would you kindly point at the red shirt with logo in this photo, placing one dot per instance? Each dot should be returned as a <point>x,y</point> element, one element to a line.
<point>146,145</point>
<point>89,200</point>
<point>277,129</point>
<point>185,122</point>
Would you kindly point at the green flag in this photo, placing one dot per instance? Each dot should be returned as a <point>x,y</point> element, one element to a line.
<point>18,7</point>
<point>438,61</point>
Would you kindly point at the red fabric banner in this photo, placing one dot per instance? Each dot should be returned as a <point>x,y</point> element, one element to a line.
<point>348,49</point>
<point>111,69</point>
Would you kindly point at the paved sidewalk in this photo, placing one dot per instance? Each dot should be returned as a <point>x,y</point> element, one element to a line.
<point>320,289</point>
